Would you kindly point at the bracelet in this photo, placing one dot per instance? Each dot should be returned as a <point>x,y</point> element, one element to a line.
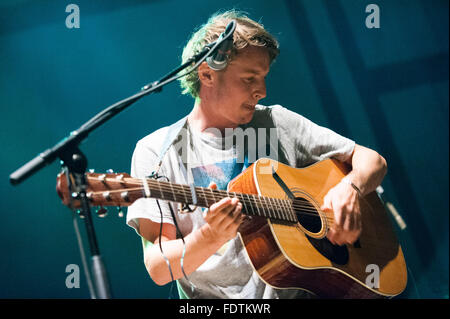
<point>346,180</point>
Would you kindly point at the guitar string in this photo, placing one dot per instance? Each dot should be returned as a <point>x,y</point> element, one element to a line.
<point>287,204</point>
<point>170,190</point>
<point>304,209</point>
<point>272,214</point>
<point>214,199</point>
<point>221,193</point>
<point>329,220</point>
<point>255,200</point>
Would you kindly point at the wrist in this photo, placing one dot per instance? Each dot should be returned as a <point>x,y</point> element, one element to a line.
<point>209,237</point>
<point>347,180</point>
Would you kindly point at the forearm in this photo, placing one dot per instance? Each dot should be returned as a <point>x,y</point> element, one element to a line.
<point>368,169</point>
<point>199,247</point>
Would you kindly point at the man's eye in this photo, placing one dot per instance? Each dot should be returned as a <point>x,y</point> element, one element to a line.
<point>248,80</point>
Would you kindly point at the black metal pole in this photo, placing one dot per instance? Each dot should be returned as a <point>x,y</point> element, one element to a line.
<point>76,164</point>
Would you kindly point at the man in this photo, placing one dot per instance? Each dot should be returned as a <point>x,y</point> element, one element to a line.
<point>205,254</point>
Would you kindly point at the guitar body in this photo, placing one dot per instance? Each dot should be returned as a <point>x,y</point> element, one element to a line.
<point>284,255</point>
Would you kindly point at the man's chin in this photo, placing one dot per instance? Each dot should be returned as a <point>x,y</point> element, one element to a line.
<point>247,118</point>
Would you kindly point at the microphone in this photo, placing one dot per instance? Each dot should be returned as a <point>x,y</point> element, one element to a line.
<point>219,59</point>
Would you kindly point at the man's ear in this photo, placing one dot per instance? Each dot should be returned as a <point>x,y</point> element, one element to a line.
<point>206,75</point>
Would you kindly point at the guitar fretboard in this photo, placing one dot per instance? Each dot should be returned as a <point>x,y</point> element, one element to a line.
<point>274,208</point>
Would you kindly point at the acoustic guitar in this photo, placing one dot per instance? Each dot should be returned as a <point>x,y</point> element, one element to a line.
<point>285,231</point>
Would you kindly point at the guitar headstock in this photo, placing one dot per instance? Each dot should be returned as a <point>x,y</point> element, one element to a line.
<point>104,189</point>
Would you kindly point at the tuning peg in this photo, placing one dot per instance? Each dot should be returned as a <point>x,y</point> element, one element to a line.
<point>119,211</point>
<point>101,211</point>
<point>110,171</point>
<point>91,170</point>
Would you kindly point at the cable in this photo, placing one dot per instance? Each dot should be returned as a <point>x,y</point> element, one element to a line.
<point>184,248</point>
<point>79,239</point>
<point>159,241</point>
<point>83,257</point>
<point>156,177</point>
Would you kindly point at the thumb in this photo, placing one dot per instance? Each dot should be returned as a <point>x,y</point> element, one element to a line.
<point>326,206</point>
<point>212,185</point>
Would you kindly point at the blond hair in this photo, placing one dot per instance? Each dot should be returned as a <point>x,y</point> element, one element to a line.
<point>247,32</point>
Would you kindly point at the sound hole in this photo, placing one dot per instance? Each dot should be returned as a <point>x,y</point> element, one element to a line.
<point>307,215</point>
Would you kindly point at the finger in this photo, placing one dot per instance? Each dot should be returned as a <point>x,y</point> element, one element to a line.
<point>336,236</point>
<point>212,185</point>
<point>236,218</point>
<point>215,208</point>
<point>333,206</point>
<point>356,223</point>
<point>350,237</point>
<point>236,213</point>
<point>359,224</point>
<point>230,206</point>
<point>349,222</point>
<point>221,204</point>
<point>332,235</point>
<point>339,216</point>
<point>223,207</point>
<point>230,210</point>
<point>327,205</point>
<point>339,240</point>
<point>226,219</point>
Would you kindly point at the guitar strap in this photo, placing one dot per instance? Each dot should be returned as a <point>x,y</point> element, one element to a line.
<point>172,136</point>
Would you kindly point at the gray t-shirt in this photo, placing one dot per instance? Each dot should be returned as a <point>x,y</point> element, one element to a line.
<point>274,132</point>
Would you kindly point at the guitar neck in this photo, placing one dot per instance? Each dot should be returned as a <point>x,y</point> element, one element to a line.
<point>117,190</point>
<point>253,205</point>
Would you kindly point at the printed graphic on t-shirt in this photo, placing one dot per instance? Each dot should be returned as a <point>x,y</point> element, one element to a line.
<point>220,173</point>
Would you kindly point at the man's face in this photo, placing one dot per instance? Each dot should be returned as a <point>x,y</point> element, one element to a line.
<point>241,85</point>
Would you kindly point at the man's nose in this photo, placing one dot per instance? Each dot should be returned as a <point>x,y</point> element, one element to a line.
<point>260,91</point>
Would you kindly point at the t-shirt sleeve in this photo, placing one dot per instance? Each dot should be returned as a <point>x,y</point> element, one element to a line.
<point>143,164</point>
<point>310,142</point>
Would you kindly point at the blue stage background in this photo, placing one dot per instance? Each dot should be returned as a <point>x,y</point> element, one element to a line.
<point>386,88</point>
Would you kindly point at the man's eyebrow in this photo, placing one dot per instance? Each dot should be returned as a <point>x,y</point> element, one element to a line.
<point>253,71</point>
<point>250,71</point>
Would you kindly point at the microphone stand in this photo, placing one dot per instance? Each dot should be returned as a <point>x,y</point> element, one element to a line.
<point>75,162</point>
